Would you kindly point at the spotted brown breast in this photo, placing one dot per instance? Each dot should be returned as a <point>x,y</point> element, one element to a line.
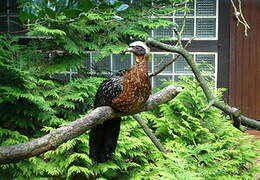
<point>136,90</point>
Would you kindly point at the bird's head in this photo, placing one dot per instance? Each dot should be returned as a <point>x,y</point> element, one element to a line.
<point>140,50</point>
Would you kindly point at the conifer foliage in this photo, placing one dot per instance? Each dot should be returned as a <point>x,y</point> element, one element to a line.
<point>33,101</point>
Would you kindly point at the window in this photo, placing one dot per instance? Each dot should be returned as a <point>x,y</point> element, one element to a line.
<point>207,63</point>
<point>201,21</point>
<point>9,21</point>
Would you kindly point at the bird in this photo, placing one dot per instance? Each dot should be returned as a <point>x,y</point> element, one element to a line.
<point>126,91</point>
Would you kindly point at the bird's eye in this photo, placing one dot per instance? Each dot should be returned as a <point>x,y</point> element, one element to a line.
<point>138,48</point>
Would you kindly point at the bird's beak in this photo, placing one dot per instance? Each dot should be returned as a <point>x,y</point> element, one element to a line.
<point>129,49</point>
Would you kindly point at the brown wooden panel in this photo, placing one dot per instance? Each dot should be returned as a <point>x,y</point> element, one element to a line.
<point>223,46</point>
<point>245,62</point>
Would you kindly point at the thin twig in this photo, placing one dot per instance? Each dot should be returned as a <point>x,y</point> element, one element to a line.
<point>157,65</point>
<point>172,61</point>
<point>208,106</point>
<point>241,13</point>
<point>180,4</point>
<point>179,34</point>
<point>149,133</point>
<point>165,66</point>
<point>238,13</point>
<point>179,43</point>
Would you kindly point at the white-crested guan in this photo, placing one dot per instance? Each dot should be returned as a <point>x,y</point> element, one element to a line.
<point>125,91</point>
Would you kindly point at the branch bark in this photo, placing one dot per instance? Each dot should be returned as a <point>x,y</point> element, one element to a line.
<point>232,111</point>
<point>238,13</point>
<point>170,62</point>
<point>14,153</point>
<point>149,133</point>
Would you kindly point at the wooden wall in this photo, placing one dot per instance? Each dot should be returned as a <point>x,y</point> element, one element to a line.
<point>244,87</point>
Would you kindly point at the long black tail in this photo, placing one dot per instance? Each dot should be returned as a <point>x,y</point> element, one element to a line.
<point>103,140</point>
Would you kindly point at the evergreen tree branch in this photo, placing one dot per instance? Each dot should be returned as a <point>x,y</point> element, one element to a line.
<point>232,111</point>
<point>14,153</point>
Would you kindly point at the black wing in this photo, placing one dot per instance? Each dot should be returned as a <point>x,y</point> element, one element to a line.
<point>109,89</point>
<point>103,137</point>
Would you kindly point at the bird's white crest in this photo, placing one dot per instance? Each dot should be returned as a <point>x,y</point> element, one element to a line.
<point>142,44</point>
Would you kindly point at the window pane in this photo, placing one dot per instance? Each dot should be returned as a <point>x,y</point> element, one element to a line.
<point>149,64</point>
<point>160,79</point>
<point>160,60</point>
<point>190,12</point>
<point>3,24</point>
<point>206,7</point>
<point>13,5</point>
<point>181,66</point>
<point>87,62</point>
<point>206,62</point>
<point>3,6</point>
<point>163,31</point>
<point>15,24</point>
<point>189,26</point>
<point>150,33</point>
<point>206,27</point>
<point>150,67</point>
<point>102,65</point>
<point>121,62</point>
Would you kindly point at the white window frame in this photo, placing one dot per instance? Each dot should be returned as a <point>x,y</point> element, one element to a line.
<point>8,16</point>
<point>195,17</point>
<point>173,74</point>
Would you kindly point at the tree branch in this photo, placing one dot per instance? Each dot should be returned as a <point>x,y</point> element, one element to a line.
<point>232,111</point>
<point>180,4</point>
<point>172,61</point>
<point>238,13</point>
<point>149,133</point>
<point>14,153</point>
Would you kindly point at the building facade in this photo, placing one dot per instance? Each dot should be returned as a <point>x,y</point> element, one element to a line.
<point>227,58</point>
